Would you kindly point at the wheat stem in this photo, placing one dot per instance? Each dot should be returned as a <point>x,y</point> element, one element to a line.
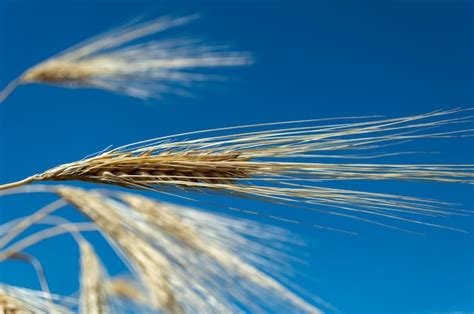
<point>18,183</point>
<point>46,234</point>
<point>9,89</point>
<point>33,261</point>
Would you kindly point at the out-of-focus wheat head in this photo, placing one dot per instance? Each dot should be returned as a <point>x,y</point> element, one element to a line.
<point>190,261</point>
<point>94,295</point>
<point>286,165</point>
<point>16,300</point>
<point>150,264</point>
<point>126,289</point>
<point>101,294</point>
<point>125,60</point>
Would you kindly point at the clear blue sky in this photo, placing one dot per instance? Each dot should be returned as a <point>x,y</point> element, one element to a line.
<point>313,59</point>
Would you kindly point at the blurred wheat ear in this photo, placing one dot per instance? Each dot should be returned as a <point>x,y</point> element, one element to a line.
<point>185,260</point>
<point>184,275</point>
<point>125,60</point>
<point>16,300</point>
<point>126,289</point>
<point>94,295</point>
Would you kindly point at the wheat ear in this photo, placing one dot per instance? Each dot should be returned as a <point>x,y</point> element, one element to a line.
<point>152,265</point>
<point>94,294</point>
<point>180,277</point>
<point>149,69</point>
<point>285,165</point>
<point>16,300</point>
<point>126,289</point>
<point>193,229</point>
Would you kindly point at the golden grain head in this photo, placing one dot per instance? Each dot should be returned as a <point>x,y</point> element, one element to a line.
<point>183,256</point>
<point>287,164</point>
<point>126,289</point>
<point>10,306</point>
<point>94,295</point>
<point>16,300</point>
<point>58,72</point>
<point>224,242</point>
<point>152,68</point>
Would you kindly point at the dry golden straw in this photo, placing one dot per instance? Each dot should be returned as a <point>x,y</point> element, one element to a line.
<point>285,164</point>
<point>150,68</point>
<point>187,261</point>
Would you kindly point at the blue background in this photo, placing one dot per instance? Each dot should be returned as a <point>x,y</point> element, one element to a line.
<point>313,59</point>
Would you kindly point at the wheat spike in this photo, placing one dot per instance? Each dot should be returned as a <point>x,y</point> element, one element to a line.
<point>94,294</point>
<point>10,305</point>
<point>115,61</point>
<point>126,289</point>
<point>151,265</point>
<point>195,230</point>
<point>279,165</point>
<point>16,300</point>
<point>187,277</point>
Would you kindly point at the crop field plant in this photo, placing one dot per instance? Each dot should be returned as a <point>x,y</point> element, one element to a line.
<point>186,258</point>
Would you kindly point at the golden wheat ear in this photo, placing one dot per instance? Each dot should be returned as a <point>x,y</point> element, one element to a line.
<point>287,163</point>
<point>150,68</point>
<point>183,267</point>
<point>94,295</point>
<point>126,289</point>
<point>180,257</point>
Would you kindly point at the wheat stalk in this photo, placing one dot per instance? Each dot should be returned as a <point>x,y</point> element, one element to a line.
<point>115,62</point>
<point>38,267</point>
<point>277,164</point>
